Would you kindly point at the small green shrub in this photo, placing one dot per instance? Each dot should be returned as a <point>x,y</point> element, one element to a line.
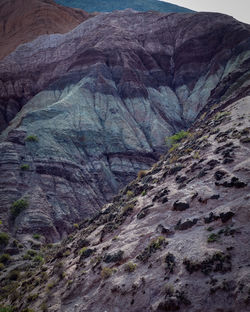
<point>2,266</point>
<point>83,250</point>
<point>4,239</point>
<point>24,167</point>
<point>4,258</point>
<point>76,225</point>
<point>130,267</point>
<point>170,141</point>
<point>38,259</point>
<point>6,309</point>
<point>141,174</point>
<point>157,242</point>
<point>66,253</point>
<point>130,194</point>
<point>13,275</point>
<point>44,307</point>
<point>221,115</point>
<point>31,253</point>
<point>18,206</point>
<point>106,273</point>
<point>174,147</point>
<point>169,290</point>
<point>213,238</point>
<point>32,297</point>
<point>196,155</point>
<point>51,285</point>
<point>31,138</point>
<point>36,236</point>
<point>128,208</point>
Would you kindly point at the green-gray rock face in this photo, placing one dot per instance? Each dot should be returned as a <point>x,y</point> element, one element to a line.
<point>99,103</point>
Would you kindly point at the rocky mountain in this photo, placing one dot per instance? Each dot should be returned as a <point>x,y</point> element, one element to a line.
<point>112,5</point>
<point>22,21</point>
<point>174,239</point>
<point>99,102</point>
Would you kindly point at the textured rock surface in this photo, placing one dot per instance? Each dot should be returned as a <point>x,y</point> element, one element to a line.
<point>111,5</point>
<point>22,21</point>
<point>106,95</point>
<point>166,260</point>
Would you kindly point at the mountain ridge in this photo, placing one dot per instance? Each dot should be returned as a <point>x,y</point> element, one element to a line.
<point>112,5</point>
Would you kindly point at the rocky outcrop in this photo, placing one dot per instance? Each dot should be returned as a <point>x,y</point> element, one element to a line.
<point>100,101</point>
<point>189,260</point>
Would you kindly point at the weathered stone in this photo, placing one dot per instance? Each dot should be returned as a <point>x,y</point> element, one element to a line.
<point>180,205</point>
<point>181,226</point>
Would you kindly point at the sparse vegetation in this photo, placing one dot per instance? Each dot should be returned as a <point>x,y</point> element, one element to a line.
<point>31,138</point>
<point>24,167</point>
<point>4,239</point>
<point>128,208</point>
<point>13,275</point>
<point>6,309</point>
<point>38,259</point>
<point>106,272</point>
<point>51,285</point>
<point>176,138</point>
<point>213,238</point>
<point>130,267</point>
<point>32,297</point>
<point>36,236</point>
<point>18,206</point>
<point>154,245</point>
<point>221,115</point>
<point>141,174</point>
<point>5,258</point>
<point>129,194</point>
<point>157,242</point>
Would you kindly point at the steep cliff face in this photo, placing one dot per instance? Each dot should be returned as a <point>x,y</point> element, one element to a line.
<point>175,239</point>
<point>100,101</point>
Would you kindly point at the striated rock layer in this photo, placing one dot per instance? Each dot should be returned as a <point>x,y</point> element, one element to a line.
<point>22,21</point>
<point>175,239</point>
<point>99,102</point>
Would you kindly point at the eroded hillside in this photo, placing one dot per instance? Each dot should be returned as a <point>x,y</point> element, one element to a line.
<point>99,102</point>
<point>174,239</point>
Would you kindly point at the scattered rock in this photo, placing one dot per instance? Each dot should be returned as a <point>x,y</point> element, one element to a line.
<point>180,205</point>
<point>116,257</point>
<point>181,226</point>
<point>225,216</point>
<point>219,174</point>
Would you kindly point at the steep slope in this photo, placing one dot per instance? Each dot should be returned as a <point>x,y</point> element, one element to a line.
<point>106,96</point>
<point>112,5</point>
<point>175,239</point>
